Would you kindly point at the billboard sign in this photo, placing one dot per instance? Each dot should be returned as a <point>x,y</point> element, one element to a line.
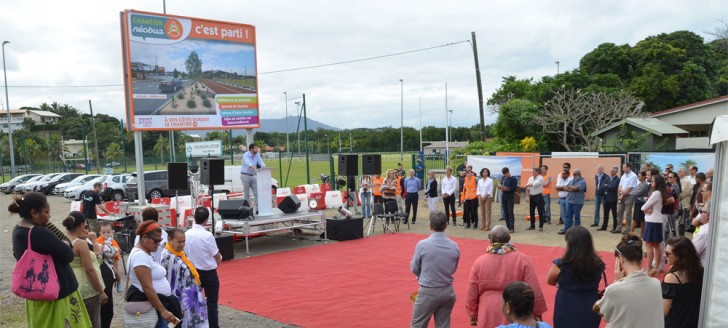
<point>183,73</point>
<point>204,149</point>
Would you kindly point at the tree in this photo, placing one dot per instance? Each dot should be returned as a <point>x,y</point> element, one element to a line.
<point>193,64</point>
<point>572,116</point>
<point>516,120</point>
<point>608,58</point>
<point>160,147</point>
<point>113,152</point>
<point>627,140</point>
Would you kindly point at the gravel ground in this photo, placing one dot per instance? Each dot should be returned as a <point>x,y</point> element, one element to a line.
<point>13,313</point>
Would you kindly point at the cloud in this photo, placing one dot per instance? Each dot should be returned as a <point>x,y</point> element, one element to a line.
<point>58,44</point>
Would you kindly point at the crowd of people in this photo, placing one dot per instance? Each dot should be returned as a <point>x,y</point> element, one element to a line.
<point>173,273</point>
<point>503,288</point>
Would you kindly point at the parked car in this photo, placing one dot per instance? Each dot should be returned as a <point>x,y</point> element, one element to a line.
<point>20,189</point>
<point>33,186</point>
<point>9,186</point>
<point>74,193</point>
<point>78,181</point>
<point>112,164</point>
<point>170,85</point>
<point>155,185</point>
<point>47,187</point>
<point>114,186</point>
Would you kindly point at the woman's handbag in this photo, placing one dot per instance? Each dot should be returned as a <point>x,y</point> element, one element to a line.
<point>34,276</point>
<point>139,314</point>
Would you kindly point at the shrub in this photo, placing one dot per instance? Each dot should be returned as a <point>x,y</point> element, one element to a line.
<point>191,103</point>
<point>206,103</point>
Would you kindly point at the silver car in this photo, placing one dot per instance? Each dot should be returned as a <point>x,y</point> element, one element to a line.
<point>79,181</point>
<point>74,193</point>
<point>9,186</point>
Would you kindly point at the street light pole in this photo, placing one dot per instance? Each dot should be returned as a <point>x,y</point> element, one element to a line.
<point>401,120</point>
<point>7,106</point>
<point>298,134</point>
<point>420,123</point>
<point>288,150</point>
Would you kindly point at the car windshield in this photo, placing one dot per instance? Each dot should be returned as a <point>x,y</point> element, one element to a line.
<point>81,178</point>
<point>48,177</point>
<point>33,179</point>
<point>22,178</point>
<point>99,179</point>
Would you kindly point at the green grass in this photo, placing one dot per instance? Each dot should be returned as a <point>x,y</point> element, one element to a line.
<point>296,176</point>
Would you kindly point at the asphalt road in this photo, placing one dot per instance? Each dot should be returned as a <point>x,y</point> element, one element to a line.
<point>148,106</point>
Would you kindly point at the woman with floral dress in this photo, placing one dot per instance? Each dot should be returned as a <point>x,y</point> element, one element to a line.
<point>184,280</point>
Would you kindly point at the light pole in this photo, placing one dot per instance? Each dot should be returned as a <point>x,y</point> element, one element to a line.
<point>288,150</point>
<point>557,67</point>
<point>298,135</point>
<point>401,120</point>
<point>7,106</point>
<point>449,123</point>
<point>420,123</point>
<point>331,162</point>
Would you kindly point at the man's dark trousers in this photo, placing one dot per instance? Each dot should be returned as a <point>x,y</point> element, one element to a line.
<point>411,200</point>
<point>536,202</point>
<point>211,284</point>
<point>450,207</point>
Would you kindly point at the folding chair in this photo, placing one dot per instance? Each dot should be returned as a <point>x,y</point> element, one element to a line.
<point>379,215</point>
<point>390,208</point>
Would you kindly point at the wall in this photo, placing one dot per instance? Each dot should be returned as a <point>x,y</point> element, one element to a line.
<point>588,168</point>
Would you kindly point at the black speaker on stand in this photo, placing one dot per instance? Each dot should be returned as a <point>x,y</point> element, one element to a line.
<point>371,164</point>
<point>177,176</point>
<point>349,165</point>
<point>212,171</point>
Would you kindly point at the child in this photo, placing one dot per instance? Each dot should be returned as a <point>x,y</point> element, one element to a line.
<point>110,253</point>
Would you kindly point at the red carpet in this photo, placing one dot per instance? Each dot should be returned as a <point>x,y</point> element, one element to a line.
<point>359,283</point>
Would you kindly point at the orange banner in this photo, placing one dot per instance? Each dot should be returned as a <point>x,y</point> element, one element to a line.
<point>221,31</point>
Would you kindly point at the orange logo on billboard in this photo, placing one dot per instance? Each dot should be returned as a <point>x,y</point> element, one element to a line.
<point>173,29</point>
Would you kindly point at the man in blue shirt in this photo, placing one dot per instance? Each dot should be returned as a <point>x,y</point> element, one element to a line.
<point>508,192</point>
<point>251,164</point>
<point>420,170</point>
<point>434,263</point>
<point>574,201</point>
<point>412,186</point>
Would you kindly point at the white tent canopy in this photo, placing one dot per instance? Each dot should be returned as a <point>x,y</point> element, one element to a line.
<point>714,302</point>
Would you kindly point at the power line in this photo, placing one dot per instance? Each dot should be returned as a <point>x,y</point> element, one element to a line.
<point>260,73</point>
<point>364,59</point>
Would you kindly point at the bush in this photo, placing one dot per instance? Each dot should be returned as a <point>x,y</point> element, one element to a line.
<point>181,95</point>
<point>191,103</point>
<point>206,103</point>
<point>203,95</point>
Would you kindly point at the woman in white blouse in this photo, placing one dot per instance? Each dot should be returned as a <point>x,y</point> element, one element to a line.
<point>485,197</point>
<point>653,221</point>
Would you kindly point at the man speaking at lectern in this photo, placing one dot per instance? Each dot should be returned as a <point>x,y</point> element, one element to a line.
<point>251,163</point>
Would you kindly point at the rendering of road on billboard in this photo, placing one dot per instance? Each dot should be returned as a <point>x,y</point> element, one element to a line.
<point>185,73</point>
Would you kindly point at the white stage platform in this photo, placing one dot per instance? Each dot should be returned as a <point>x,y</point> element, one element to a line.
<point>276,222</point>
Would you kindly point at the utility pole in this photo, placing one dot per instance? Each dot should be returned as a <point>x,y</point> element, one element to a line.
<point>401,120</point>
<point>7,107</point>
<point>420,123</point>
<point>480,87</point>
<point>298,134</point>
<point>305,134</point>
<point>123,144</point>
<point>96,139</point>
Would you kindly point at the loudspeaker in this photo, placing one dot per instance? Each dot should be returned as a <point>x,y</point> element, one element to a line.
<point>231,209</point>
<point>349,165</point>
<point>225,246</point>
<point>290,204</point>
<point>371,164</point>
<point>177,176</point>
<point>212,171</point>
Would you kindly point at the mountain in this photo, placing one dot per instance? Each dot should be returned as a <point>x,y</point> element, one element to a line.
<point>275,125</point>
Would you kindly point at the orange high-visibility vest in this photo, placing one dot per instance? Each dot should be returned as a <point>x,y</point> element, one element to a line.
<point>470,189</point>
<point>377,185</point>
<point>546,187</point>
<point>399,186</point>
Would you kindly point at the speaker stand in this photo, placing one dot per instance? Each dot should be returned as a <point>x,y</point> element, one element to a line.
<point>211,190</point>
<point>370,225</point>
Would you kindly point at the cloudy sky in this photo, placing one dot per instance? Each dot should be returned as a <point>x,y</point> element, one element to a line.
<point>59,49</point>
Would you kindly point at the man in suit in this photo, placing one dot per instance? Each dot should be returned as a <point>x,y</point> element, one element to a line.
<point>611,184</point>
<point>598,193</point>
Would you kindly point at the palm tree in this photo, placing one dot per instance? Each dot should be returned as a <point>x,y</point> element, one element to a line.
<point>160,146</point>
<point>688,163</point>
<point>33,150</point>
<point>113,151</point>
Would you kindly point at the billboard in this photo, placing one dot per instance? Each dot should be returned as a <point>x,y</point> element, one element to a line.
<point>183,73</point>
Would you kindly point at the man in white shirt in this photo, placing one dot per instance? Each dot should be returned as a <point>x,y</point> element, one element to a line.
<point>693,172</point>
<point>251,164</point>
<point>700,241</point>
<point>534,188</point>
<point>449,186</point>
<point>625,199</point>
<point>201,250</point>
<point>561,183</point>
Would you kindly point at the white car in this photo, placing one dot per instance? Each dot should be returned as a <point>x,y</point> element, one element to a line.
<point>33,186</point>
<point>59,189</point>
<point>20,189</point>
<point>74,193</point>
<point>114,186</point>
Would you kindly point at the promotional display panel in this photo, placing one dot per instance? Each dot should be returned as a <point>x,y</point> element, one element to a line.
<point>185,73</point>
